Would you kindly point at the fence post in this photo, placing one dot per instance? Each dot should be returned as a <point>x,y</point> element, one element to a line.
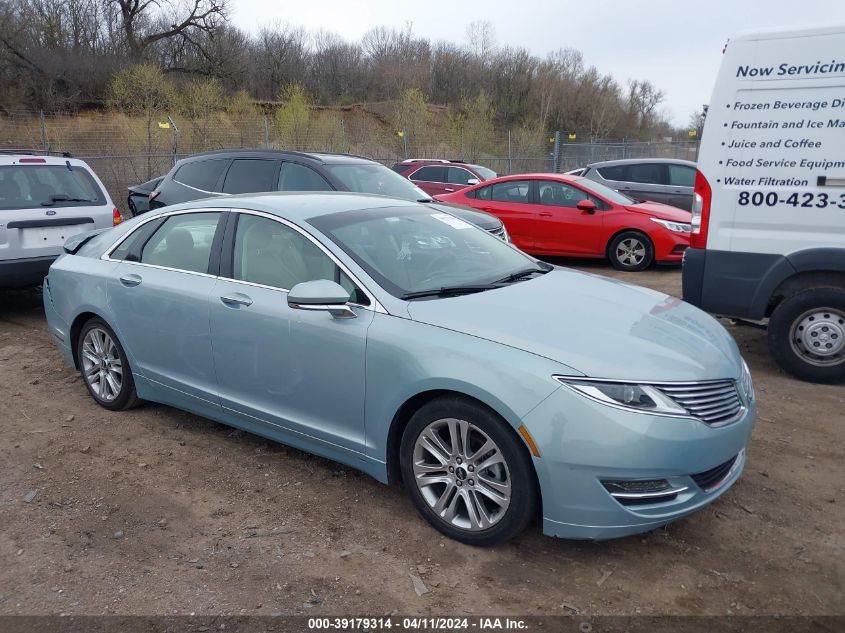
<point>510,155</point>
<point>175,147</point>
<point>462,143</point>
<point>405,145</point>
<point>556,153</point>
<point>44,145</point>
<point>266,132</point>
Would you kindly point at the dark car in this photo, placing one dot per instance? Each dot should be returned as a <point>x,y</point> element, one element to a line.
<point>227,172</point>
<point>439,176</point>
<point>138,200</point>
<point>666,180</point>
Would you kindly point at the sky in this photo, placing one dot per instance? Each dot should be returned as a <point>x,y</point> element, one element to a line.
<point>677,44</point>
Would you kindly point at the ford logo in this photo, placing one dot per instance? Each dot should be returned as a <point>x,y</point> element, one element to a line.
<point>51,212</point>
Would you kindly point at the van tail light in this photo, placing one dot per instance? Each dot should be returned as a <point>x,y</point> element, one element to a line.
<point>702,197</point>
<point>153,194</point>
<point>116,218</point>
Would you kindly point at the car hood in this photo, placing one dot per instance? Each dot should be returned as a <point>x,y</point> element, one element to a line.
<point>663,211</point>
<point>478,218</point>
<point>598,326</point>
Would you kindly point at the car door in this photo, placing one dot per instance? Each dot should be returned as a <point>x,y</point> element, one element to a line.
<point>433,179</point>
<point>460,178</point>
<point>648,181</point>
<point>512,202</point>
<point>251,175</point>
<point>294,374</point>
<point>158,296</point>
<point>563,228</point>
<point>681,184</point>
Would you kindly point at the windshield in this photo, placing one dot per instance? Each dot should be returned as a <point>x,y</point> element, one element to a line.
<point>487,174</point>
<point>410,250</point>
<point>605,192</point>
<point>34,186</point>
<point>377,179</point>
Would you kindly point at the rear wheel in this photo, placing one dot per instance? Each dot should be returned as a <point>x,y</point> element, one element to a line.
<point>807,335</point>
<point>631,251</point>
<point>105,368</point>
<point>467,473</point>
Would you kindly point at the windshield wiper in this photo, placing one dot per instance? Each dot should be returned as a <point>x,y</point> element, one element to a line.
<point>60,198</point>
<point>425,200</point>
<point>449,291</point>
<point>521,274</point>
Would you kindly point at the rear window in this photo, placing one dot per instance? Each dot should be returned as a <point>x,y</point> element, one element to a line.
<point>201,174</point>
<point>51,186</point>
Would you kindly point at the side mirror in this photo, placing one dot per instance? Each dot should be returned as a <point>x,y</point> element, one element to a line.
<point>473,181</point>
<point>321,295</point>
<point>587,206</point>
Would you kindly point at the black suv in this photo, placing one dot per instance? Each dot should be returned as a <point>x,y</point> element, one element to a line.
<point>258,170</point>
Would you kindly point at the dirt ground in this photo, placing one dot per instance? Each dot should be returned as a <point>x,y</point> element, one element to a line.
<point>156,511</point>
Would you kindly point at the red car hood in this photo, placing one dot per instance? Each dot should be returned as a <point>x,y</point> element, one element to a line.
<point>663,211</point>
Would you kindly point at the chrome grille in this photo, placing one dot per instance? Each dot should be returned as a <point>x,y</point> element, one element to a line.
<point>711,402</point>
<point>498,232</point>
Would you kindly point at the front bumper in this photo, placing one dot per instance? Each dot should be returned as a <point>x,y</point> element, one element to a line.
<point>22,273</point>
<point>59,329</point>
<point>669,247</point>
<point>583,443</point>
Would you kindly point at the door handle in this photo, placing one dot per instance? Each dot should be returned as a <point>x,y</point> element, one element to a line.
<point>236,299</point>
<point>447,189</point>
<point>545,214</point>
<point>130,280</point>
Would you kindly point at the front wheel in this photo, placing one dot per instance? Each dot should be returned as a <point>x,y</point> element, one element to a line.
<point>807,335</point>
<point>467,473</point>
<point>105,368</point>
<point>631,251</point>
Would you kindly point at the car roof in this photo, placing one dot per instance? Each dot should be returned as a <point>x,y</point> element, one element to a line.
<point>29,159</point>
<point>299,206</point>
<point>318,157</point>
<point>635,161</point>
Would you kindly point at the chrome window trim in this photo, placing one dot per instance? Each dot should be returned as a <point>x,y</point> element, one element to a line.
<point>375,304</point>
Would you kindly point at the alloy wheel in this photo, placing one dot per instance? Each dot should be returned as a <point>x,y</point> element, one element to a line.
<point>630,251</point>
<point>461,474</point>
<point>101,364</point>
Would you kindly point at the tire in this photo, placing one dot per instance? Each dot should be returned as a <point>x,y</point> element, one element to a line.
<point>511,481</point>
<point>631,251</point>
<point>807,335</point>
<point>104,367</point>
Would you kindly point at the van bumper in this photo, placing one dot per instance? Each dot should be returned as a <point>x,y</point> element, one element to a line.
<point>21,273</point>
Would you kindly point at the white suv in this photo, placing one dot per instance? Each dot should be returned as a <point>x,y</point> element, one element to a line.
<point>43,201</point>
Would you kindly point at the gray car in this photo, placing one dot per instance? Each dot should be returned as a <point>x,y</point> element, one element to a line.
<point>666,180</point>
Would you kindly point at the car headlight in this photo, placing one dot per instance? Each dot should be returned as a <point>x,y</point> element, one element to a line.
<point>675,227</point>
<point>625,395</point>
<point>746,385</point>
<point>505,235</point>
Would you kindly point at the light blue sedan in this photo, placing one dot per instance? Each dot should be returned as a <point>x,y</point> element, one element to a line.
<point>419,349</point>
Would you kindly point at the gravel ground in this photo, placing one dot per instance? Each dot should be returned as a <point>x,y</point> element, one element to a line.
<point>156,511</point>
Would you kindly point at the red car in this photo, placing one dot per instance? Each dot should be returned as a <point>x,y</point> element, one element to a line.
<point>438,176</point>
<point>556,214</point>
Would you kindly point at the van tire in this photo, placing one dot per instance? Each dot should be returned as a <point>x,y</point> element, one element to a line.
<point>627,240</point>
<point>815,316</point>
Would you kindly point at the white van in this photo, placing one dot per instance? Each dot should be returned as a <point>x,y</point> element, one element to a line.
<point>768,238</point>
<point>43,201</point>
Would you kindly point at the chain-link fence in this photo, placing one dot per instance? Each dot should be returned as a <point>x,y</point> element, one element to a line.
<point>126,150</point>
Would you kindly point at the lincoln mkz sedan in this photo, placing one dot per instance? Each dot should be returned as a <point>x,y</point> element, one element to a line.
<point>418,348</point>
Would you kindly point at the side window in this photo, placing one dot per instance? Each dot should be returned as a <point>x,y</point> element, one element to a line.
<point>647,173</point>
<point>250,176</point>
<point>269,253</point>
<point>483,193</point>
<point>511,191</point>
<point>201,174</point>
<point>183,242</point>
<point>559,194</point>
<point>130,248</point>
<point>459,176</point>
<point>617,172</point>
<point>430,173</point>
<point>681,176</point>
<point>296,177</point>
